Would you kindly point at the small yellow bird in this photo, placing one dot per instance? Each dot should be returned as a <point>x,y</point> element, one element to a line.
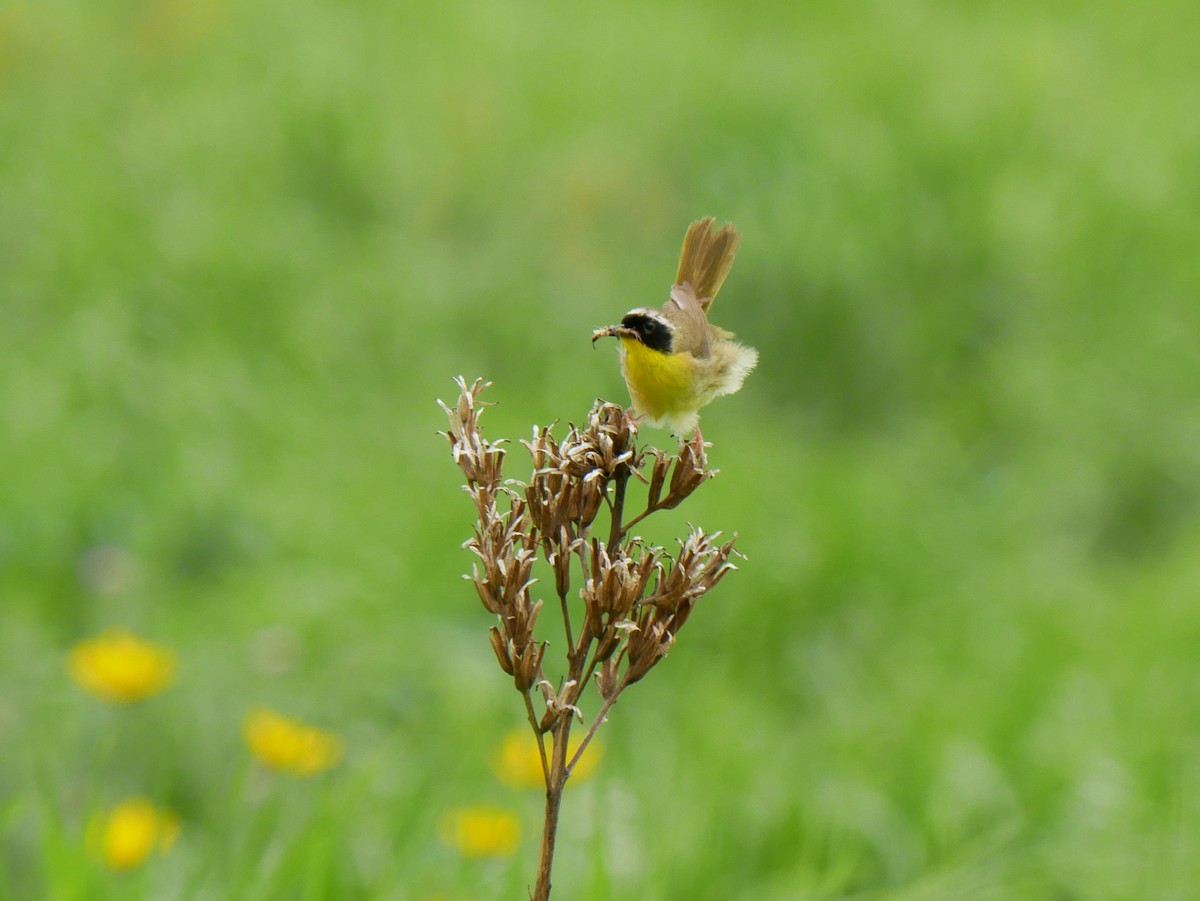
<point>673,359</point>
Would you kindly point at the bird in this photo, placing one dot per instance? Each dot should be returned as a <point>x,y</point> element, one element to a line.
<point>673,359</point>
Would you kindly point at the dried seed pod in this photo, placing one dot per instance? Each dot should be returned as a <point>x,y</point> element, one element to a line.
<point>648,645</point>
<point>690,472</point>
<point>700,565</point>
<point>559,552</point>
<point>606,678</point>
<point>503,650</point>
<point>527,665</point>
<point>479,460</point>
<point>543,449</point>
<point>658,477</point>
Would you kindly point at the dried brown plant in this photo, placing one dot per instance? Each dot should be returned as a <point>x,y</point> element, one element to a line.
<point>630,599</point>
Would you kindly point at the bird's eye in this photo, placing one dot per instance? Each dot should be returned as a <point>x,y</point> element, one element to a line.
<point>654,333</point>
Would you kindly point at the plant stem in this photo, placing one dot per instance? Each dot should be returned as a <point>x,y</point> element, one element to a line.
<point>555,783</point>
<point>615,531</point>
<point>556,776</point>
<point>566,612</point>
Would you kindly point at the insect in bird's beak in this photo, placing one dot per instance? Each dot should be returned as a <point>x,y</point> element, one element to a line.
<point>615,331</point>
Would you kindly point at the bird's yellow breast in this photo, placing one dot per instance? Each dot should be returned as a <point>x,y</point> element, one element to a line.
<point>659,383</point>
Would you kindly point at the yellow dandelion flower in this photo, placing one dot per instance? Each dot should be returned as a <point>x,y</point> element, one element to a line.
<point>121,668</point>
<point>481,831</point>
<point>123,837</point>
<point>288,745</point>
<point>518,764</point>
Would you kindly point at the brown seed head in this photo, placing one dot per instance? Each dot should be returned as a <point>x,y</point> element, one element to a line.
<point>479,460</point>
<point>503,649</point>
<point>506,551</point>
<point>648,645</point>
<point>691,471</point>
<point>700,565</point>
<point>635,598</point>
<point>606,678</point>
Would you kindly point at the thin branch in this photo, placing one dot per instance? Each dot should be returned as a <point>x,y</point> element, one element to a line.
<point>633,522</point>
<point>615,531</point>
<point>590,670</point>
<point>566,612</point>
<point>608,703</point>
<point>537,734</point>
<point>586,677</point>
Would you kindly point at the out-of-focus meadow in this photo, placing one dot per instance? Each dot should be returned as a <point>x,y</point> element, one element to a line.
<point>243,248</point>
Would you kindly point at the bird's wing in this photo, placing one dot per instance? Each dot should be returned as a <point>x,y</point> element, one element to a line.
<point>706,258</point>
<point>691,325</point>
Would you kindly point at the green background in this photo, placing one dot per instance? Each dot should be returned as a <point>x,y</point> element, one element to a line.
<point>243,248</point>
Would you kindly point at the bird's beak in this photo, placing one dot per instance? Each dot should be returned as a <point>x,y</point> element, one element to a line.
<point>614,331</point>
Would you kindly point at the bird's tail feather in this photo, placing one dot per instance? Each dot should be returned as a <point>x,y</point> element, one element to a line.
<point>706,257</point>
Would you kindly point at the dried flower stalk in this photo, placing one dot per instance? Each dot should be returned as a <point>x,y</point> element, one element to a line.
<point>630,599</point>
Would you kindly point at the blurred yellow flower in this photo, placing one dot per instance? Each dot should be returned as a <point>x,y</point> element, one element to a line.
<point>119,667</point>
<point>481,831</point>
<point>288,745</point>
<point>123,837</point>
<point>518,764</point>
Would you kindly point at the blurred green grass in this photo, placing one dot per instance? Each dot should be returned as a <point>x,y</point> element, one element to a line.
<point>243,248</point>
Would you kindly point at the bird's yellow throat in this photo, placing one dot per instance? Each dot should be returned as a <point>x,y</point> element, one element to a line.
<point>659,383</point>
